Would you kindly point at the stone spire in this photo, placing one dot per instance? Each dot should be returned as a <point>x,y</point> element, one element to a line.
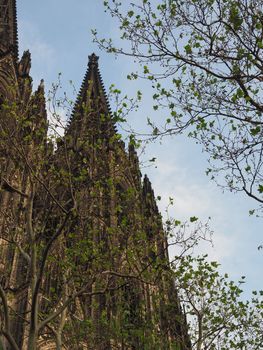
<point>92,109</point>
<point>8,28</point>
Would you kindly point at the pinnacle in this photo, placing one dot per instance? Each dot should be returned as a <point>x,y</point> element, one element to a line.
<point>40,92</point>
<point>42,85</point>
<point>92,92</point>
<point>25,64</point>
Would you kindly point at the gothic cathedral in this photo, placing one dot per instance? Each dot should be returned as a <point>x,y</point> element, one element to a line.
<point>83,254</point>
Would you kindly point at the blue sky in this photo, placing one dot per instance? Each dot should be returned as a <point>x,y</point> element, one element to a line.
<point>58,34</point>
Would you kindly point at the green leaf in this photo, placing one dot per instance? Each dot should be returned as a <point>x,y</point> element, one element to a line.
<point>188,49</point>
<point>234,17</point>
<point>255,131</point>
<point>145,70</point>
<point>130,13</point>
<point>193,218</point>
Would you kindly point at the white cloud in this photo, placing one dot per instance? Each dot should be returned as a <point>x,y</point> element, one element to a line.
<point>190,198</point>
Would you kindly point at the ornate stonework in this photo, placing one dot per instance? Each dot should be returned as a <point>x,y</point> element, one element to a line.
<point>8,27</point>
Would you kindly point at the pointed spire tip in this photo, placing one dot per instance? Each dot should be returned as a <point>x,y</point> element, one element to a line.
<point>93,60</point>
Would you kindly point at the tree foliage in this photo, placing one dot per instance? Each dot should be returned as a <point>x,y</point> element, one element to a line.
<point>204,61</point>
<point>218,315</point>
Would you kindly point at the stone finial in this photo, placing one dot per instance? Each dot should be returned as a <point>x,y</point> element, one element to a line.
<point>93,60</point>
